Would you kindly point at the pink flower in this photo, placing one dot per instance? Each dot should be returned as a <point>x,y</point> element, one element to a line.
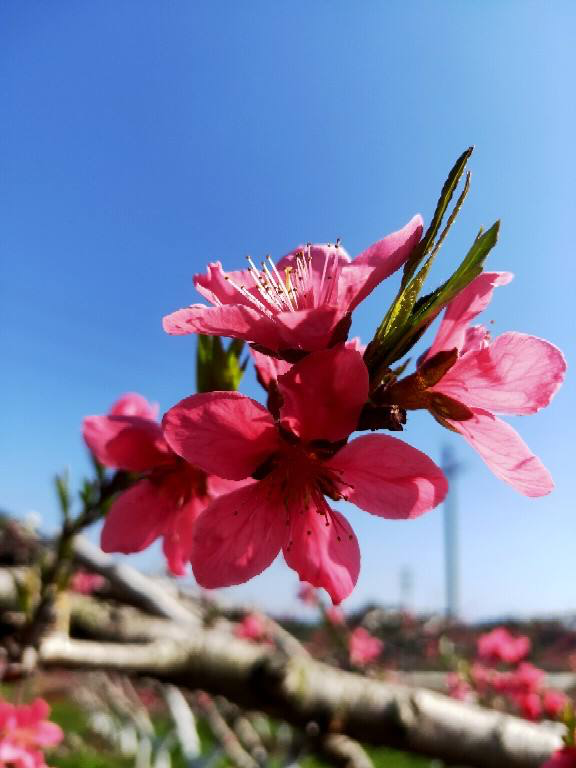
<point>85,583</point>
<point>335,616</point>
<point>514,373</point>
<point>499,645</point>
<point>295,461</point>
<point>308,595</point>
<point>554,702</point>
<point>363,647</point>
<point>170,494</point>
<point>252,627</point>
<point>457,687</point>
<point>529,705</point>
<point>24,733</point>
<point>300,304</point>
<point>562,758</point>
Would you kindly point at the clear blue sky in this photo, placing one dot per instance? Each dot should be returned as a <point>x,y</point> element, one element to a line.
<point>141,139</point>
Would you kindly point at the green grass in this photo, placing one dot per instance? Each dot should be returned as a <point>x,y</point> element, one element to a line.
<point>92,753</point>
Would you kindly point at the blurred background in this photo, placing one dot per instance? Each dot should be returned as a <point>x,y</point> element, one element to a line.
<point>141,140</point>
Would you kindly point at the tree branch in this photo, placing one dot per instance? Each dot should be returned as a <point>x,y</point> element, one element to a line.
<point>302,690</point>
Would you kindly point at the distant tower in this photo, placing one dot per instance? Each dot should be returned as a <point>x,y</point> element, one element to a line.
<point>406,588</point>
<point>451,469</point>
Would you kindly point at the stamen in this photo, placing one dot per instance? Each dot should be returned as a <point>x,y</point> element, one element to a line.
<point>251,298</point>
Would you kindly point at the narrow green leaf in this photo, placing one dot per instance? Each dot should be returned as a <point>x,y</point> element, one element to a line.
<point>427,241</point>
<point>218,368</point>
<point>471,267</point>
<point>428,307</point>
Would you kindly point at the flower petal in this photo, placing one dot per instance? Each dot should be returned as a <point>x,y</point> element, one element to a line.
<point>323,549</point>
<point>133,404</point>
<point>177,545</point>
<point>215,285</point>
<point>224,433</point>
<point>505,453</point>
<point>268,367</point>
<point>235,320</point>
<point>237,536</point>
<point>130,443</point>
<point>517,374</point>
<point>463,309</point>
<point>321,259</point>
<point>136,518</point>
<point>378,262</point>
<point>324,394</point>
<point>389,478</point>
<point>308,329</point>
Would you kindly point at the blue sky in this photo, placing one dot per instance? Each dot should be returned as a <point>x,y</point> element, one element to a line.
<point>142,139</point>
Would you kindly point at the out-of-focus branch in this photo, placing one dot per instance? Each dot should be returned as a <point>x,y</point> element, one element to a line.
<point>222,732</point>
<point>56,573</point>
<point>184,722</point>
<point>344,752</point>
<point>302,690</point>
<point>133,586</point>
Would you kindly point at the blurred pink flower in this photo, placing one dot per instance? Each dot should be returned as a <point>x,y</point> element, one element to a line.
<point>24,733</point>
<point>296,460</point>
<point>252,627</point>
<point>363,647</point>
<point>562,758</point>
<point>500,645</point>
<point>85,583</point>
<point>458,688</point>
<point>299,304</point>
<point>530,705</point>
<point>554,702</point>
<point>335,616</point>
<point>514,373</point>
<point>168,497</point>
<point>308,595</point>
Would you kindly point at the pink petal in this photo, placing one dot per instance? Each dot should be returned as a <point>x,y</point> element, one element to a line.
<point>378,262</point>
<point>48,734</point>
<point>177,545</point>
<point>217,289</point>
<point>130,443</point>
<point>463,309</point>
<point>133,404</point>
<point>323,549</point>
<point>235,320</point>
<point>389,478</point>
<point>237,536</point>
<point>224,433</point>
<point>319,253</point>
<point>324,394</point>
<point>476,337</point>
<point>268,367</point>
<point>505,453</point>
<point>517,374</point>
<point>136,518</point>
<point>307,329</point>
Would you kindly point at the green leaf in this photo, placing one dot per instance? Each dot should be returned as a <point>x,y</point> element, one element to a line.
<point>429,306</point>
<point>219,368</point>
<point>399,313</point>
<point>62,484</point>
<point>404,331</point>
<point>427,241</point>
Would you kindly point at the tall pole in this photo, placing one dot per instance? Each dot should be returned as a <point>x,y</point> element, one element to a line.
<point>451,468</point>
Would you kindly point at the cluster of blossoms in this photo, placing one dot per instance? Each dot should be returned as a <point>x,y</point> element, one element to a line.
<point>25,732</point>
<point>500,676</point>
<point>228,484</point>
<point>363,647</point>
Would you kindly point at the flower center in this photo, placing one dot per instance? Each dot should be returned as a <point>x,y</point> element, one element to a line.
<point>300,287</point>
